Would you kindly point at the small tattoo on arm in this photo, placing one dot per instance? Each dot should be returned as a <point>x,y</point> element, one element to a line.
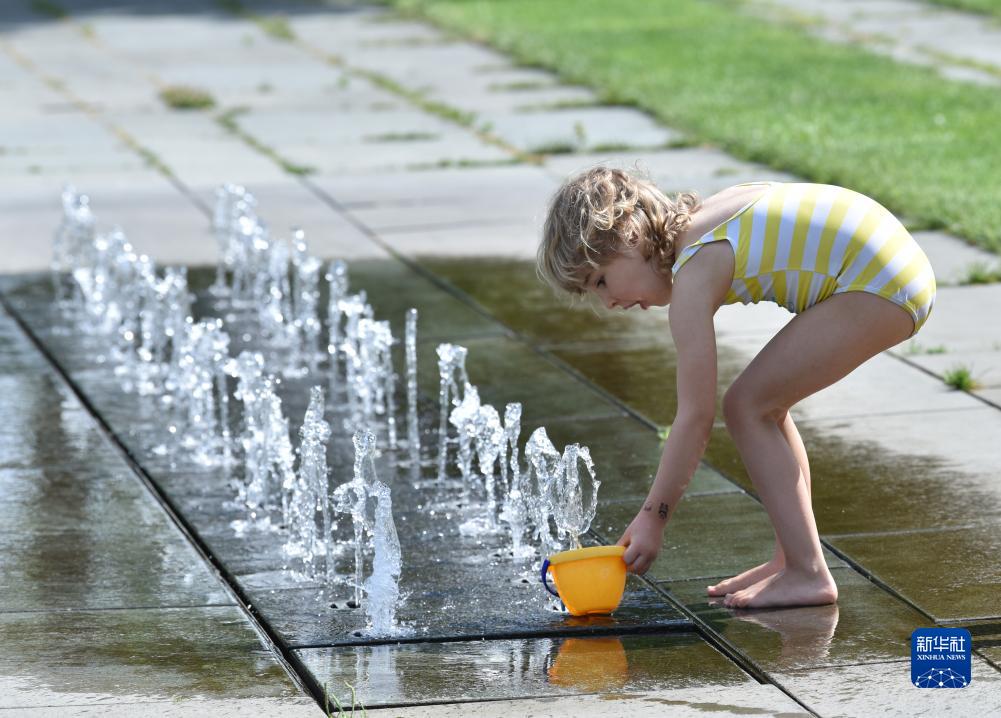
<point>648,507</point>
<point>662,511</point>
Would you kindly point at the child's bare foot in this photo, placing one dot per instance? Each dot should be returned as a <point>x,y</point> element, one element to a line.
<point>748,578</point>
<point>787,588</point>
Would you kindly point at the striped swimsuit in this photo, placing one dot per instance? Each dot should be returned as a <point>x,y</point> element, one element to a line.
<point>798,244</point>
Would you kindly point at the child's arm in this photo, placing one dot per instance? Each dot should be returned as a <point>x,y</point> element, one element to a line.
<point>693,303</point>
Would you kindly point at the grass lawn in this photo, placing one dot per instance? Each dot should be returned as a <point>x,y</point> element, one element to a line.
<point>926,148</point>
<point>986,7</point>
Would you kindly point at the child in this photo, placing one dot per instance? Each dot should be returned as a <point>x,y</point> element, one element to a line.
<point>856,280</point>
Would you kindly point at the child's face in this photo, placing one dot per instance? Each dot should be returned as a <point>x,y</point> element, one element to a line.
<point>628,281</point>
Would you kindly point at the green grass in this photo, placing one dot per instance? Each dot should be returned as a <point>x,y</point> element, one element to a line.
<point>914,347</point>
<point>183,97</point>
<point>985,7</point>
<point>356,707</point>
<point>276,26</point>
<point>49,8</point>
<point>462,163</point>
<point>446,112</point>
<point>519,86</point>
<point>556,147</point>
<point>960,377</point>
<point>228,121</point>
<point>768,93</point>
<point>402,137</point>
<point>981,273</point>
<point>559,105</point>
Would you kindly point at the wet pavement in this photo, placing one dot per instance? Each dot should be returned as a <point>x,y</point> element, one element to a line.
<point>105,601</point>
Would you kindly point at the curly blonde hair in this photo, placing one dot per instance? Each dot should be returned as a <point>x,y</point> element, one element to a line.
<point>601,211</point>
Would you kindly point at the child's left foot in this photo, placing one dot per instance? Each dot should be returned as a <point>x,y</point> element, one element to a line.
<point>786,588</point>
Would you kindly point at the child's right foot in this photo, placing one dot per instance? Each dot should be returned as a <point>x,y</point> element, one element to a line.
<point>742,580</point>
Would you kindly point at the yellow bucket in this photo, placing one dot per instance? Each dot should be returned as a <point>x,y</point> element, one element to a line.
<point>588,580</point>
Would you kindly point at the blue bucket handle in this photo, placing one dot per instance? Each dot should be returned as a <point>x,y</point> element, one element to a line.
<point>545,582</point>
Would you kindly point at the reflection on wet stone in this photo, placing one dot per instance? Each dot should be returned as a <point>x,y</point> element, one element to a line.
<point>446,672</point>
<point>866,625</point>
<point>133,655</point>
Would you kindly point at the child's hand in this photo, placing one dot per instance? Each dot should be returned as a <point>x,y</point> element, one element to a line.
<point>642,539</point>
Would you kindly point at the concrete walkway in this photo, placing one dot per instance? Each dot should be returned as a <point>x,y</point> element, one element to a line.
<point>413,139</point>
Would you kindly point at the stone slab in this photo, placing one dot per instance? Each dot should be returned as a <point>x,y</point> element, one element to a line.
<point>885,689</point>
<point>704,169</point>
<point>482,600</point>
<point>298,707</point>
<point>539,314</point>
<point>439,673</point>
<point>984,366</point>
<point>987,641</point>
<point>519,239</point>
<point>580,128</point>
<point>959,321</point>
<point>866,625</point>
<point>884,473</point>
<point>689,551</point>
<point>950,257</point>
<point>454,186</point>
<point>733,701</point>
<point>506,370</point>
<point>103,658</point>
<point>641,373</point>
<point>124,565</point>
<point>923,568</point>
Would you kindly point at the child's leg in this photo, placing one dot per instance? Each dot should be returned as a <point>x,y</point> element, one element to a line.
<point>777,562</point>
<point>814,350</point>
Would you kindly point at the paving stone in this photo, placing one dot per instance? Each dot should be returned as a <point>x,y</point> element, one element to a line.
<point>987,641</point>
<point>505,370</point>
<point>539,314</point>
<point>984,366</point>
<point>579,127</point>
<point>293,707</point>
<point>689,550</point>
<point>435,673</point>
<point>471,208</point>
<point>58,497</point>
<point>458,186</point>
<point>903,471</point>
<point>950,257</point>
<point>706,170</point>
<point>126,561</point>
<point>70,658</point>
<point>885,689</point>
<point>866,625</point>
<point>309,138</point>
<point>518,239</point>
<point>498,98</point>
<point>286,203</point>
<point>869,476</point>
<point>642,373</point>
<point>958,323</point>
<point>154,216</point>
<point>735,701</point>
<point>952,574</point>
<point>441,601</point>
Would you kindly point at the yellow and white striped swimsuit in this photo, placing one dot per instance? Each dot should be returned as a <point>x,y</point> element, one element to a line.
<point>798,244</point>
